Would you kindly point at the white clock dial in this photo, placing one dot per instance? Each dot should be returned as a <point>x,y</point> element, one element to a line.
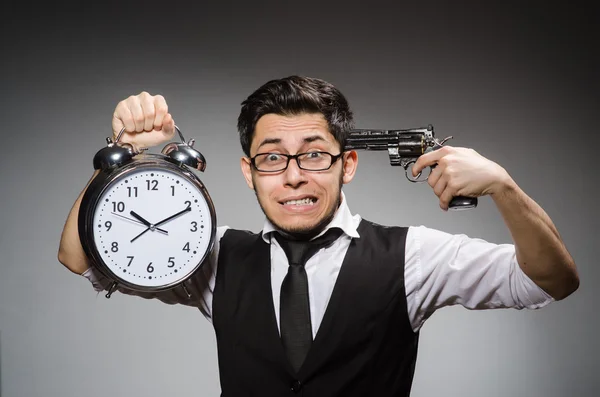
<point>164,252</point>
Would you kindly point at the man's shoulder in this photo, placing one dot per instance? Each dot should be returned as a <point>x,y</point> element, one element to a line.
<point>368,224</point>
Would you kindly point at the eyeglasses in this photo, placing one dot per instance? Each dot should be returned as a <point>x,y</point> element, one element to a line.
<point>310,161</point>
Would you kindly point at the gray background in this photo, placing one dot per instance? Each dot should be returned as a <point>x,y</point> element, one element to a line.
<point>515,81</point>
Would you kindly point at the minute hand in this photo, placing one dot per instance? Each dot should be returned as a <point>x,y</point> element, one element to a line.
<point>173,216</point>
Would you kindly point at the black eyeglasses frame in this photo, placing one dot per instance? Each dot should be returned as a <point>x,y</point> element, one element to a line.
<point>289,157</point>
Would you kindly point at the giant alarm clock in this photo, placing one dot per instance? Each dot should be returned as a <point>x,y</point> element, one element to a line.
<point>146,221</point>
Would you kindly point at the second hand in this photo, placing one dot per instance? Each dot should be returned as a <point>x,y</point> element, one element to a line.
<point>138,222</point>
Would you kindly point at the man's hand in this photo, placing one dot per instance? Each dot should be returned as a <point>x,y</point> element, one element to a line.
<point>146,119</point>
<point>540,251</point>
<point>461,172</point>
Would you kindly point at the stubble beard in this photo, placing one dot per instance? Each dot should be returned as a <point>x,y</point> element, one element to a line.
<point>306,232</point>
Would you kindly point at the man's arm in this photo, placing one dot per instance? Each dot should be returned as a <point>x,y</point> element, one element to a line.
<point>540,251</point>
<point>70,251</point>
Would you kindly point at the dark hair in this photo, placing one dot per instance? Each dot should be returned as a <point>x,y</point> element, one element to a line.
<point>295,95</point>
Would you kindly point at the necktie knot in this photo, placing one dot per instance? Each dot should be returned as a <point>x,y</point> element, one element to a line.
<point>299,252</point>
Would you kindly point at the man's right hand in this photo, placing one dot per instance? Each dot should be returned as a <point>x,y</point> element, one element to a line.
<point>146,119</point>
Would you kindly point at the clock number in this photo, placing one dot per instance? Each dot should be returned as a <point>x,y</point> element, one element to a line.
<point>186,247</point>
<point>171,261</point>
<point>118,207</point>
<point>130,260</point>
<point>194,226</point>
<point>108,225</point>
<point>153,183</point>
<point>132,189</point>
<point>188,203</point>
<point>150,269</point>
<point>114,247</point>
<point>172,190</point>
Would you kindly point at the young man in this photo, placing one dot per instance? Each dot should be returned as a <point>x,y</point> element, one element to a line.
<point>357,304</point>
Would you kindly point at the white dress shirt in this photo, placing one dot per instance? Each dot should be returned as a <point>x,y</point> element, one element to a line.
<point>440,270</point>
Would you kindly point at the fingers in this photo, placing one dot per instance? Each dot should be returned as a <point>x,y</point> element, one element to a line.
<point>135,107</point>
<point>443,181</point>
<point>445,198</point>
<point>435,175</point>
<point>440,186</point>
<point>145,118</point>
<point>148,112</point>
<point>429,159</point>
<point>168,125</point>
<point>122,118</point>
<point>161,110</point>
<point>460,172</point>
<point>449,185</point>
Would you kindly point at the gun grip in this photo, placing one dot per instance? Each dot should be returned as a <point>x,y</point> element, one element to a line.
<point>462,203</point>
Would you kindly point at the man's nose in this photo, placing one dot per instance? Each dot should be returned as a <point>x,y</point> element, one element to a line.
<point>294,175</point>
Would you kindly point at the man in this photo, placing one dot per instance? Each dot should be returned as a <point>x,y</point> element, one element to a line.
<point>347,321</point>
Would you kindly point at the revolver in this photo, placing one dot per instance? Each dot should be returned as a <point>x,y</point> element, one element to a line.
<point>404,148</point>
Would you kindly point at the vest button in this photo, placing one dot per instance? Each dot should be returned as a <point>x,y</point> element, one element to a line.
<point>296,386</point>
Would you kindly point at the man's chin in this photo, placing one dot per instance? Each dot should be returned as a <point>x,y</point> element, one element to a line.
<point>299,229</point>
<point>303,230</point>
<point>301,233</point>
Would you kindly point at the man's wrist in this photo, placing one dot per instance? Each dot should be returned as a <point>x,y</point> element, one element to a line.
<point>504,187</point>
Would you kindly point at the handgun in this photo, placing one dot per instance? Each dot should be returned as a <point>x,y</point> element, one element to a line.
<point>404,148</point>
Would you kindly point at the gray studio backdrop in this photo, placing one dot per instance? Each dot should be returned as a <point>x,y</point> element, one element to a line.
<point>517,84</point>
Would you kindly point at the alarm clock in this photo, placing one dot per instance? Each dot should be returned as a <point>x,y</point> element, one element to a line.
<point>146,221</point>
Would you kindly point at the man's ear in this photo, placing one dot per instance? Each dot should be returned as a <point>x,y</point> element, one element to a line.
<point>349,162</point>
<point>247,171</point>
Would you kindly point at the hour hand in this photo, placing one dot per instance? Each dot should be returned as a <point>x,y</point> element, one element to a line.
<point>138,217</point>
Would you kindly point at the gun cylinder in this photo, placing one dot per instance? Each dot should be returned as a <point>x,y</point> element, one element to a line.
<point>408,144</point>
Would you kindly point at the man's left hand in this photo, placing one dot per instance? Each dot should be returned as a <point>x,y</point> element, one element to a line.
<point>461,172</point>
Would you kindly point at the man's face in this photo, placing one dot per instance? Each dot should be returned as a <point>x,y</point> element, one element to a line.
<point>297,201</point>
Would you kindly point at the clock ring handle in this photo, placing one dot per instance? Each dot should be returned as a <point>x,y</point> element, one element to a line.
<point>119,135</point>
<point>191,143</point>
<point>180,134</point>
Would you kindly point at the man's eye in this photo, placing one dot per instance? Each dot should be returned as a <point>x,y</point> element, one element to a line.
<point>273,157</point>
<point>314,155</point>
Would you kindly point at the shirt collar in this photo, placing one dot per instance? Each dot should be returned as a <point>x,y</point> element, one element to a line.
<point>342,219</point>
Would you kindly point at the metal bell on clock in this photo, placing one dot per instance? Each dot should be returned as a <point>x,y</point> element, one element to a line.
<point>184,154</point>
<point>114,154</point>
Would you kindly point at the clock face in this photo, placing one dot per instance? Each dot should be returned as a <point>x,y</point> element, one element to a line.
<point>152,227</point>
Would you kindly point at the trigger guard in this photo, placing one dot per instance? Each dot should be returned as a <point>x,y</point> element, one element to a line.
<point>416,179</point>
<point>410,179</point>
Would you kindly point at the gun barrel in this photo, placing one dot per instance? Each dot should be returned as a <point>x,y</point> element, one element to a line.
<point>408,142</point>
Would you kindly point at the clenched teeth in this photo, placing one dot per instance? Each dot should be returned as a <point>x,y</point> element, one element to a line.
<point>306,201</point>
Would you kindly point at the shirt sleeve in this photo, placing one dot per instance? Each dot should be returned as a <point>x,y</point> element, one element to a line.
<point>200,285</point>
<point>443,269</point>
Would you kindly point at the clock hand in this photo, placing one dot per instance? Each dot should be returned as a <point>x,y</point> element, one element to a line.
<point>138,217</point>
<point>151,226</point>
<point>173,216</point>
<point>139,222</point>
<point>145,222</point>
<point>138,236</point>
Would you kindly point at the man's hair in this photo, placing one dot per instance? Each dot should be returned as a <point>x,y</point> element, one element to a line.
<point>292,96</point>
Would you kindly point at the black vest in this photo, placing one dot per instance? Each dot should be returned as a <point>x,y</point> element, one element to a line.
<point>365,345</point>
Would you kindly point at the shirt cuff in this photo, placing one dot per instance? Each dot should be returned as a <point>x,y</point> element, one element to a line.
<point>99,282</point>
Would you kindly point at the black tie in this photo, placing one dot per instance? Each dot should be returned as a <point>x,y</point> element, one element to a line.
<point>295,324</point>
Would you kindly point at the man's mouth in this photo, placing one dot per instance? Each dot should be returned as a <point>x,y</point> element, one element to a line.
<point>300,201</point>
